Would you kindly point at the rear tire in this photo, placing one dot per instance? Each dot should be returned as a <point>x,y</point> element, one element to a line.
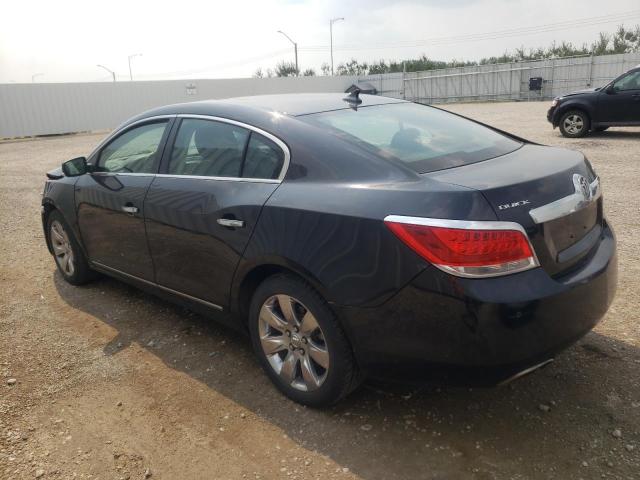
<point>300,344</point>
<point>70,260</point>
<point>574,124</point>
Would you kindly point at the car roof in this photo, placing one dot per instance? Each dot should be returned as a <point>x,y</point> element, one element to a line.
<point>294,104</point>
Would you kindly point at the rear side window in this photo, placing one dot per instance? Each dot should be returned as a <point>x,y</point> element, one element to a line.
<point>264,158</point>
<point>424,138</point>
<point>135,151</point>
<point>208,148</point>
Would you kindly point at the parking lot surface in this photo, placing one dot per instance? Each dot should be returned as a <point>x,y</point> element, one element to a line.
<point>104,381</point>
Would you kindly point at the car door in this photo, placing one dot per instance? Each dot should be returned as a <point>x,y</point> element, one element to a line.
<point>621,102</point>
<point>110,200</point>
<point>202,207</point>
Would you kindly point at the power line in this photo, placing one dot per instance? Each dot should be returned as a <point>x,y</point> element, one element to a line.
<point>569,24</point>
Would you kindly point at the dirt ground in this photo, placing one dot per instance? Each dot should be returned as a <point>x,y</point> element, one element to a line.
<point>107,382</point>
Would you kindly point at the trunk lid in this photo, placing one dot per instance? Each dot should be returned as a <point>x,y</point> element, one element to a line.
<point>556,184</point>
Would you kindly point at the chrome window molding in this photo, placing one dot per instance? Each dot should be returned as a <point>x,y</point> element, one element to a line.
<point>567,205</point>
<point>283,146</point>
<point>475,272</point>
<point>162,287</point>
<point>230,179</point>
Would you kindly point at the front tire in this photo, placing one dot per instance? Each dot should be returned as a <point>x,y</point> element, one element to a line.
<point>70,260</point>
<point>300,343</point>
<point>574,124</point>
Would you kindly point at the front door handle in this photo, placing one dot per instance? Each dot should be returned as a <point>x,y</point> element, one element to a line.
<point>130,209</point>
<point>230,222</point>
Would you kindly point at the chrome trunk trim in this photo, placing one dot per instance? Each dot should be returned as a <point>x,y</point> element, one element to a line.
<point>584,194</point>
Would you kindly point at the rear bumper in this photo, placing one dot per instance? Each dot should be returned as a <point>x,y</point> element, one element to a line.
<point>502,324</point>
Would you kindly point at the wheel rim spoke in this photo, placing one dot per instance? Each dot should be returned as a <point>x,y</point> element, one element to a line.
<point>271,318</point>
<point>286,306</point>
<point>308,374</point>
<point>272,345</point>
<point>308,324</point>
<point>319,354</point>
<point>288,370</point>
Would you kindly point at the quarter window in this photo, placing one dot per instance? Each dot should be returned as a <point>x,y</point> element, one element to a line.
<point>135,151</point>
<point>208,148</point>
<point>264,158</point>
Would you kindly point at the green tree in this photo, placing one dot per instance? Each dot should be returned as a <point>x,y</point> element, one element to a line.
<point>286,69</point>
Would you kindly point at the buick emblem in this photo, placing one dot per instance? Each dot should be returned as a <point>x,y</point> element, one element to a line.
<point>582,186</point>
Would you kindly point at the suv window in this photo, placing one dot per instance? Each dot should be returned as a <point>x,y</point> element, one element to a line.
<point>264,158</point>
<point>424,138</point>
<point>208,148</point>
<point>630,82</point>
<point>134,151</point>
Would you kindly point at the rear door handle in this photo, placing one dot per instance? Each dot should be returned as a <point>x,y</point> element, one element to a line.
<point>230,222</point>
<point>130,209</point>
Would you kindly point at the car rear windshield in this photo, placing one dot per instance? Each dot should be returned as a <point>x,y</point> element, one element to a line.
<point>424,138</point>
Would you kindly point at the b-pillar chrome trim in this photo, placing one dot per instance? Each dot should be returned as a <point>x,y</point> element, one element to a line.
<point>101,266</point>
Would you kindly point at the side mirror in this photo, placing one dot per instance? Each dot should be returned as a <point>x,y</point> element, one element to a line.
<point>75,167</point>
<point>610,89</point>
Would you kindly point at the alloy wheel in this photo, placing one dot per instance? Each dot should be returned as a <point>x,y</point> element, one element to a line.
<point>573,124</point>
<point>62,248</point>
<point>293,342</point>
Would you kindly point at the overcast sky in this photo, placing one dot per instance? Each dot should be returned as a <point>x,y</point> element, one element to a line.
<point>65,39</point>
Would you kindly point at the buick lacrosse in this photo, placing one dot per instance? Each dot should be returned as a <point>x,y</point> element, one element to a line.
<point>349,236</point>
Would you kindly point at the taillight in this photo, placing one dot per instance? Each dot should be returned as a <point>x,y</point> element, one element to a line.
<point>466,248</point>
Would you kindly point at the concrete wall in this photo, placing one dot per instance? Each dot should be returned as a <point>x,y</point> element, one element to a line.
<point>50,108</point>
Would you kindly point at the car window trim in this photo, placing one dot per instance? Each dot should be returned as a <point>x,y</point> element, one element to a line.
<point>281,144</point>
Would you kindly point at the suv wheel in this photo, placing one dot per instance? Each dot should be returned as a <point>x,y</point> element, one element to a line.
<point>574,124</point>
<point>299,342</point>
<point>69,257</point>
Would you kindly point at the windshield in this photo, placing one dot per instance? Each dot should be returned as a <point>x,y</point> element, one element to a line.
<point>424,138</point>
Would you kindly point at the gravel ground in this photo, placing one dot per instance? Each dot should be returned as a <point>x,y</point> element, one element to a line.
<point>104,381</point>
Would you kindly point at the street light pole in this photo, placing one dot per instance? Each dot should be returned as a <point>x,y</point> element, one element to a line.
<point>295,49</point>
<point>33,77</point>
<point>331,22</point>
<point>110,71</point>
<point>130,57</point>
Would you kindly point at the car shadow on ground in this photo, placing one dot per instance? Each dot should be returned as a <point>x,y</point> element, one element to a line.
<point>561,416</point>
<point>615,135</point>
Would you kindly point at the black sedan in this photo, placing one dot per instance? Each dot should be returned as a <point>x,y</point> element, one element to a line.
<point>351,237</point>
<point>615,104</point>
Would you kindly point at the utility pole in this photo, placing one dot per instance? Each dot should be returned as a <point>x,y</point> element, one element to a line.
<point>331,22</point>
<point>33,77</point>
<point>130,57</point>
<point>110,71</point>
<point>295,49</point>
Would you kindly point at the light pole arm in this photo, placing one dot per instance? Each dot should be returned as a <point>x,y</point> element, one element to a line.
<point>295,49</point>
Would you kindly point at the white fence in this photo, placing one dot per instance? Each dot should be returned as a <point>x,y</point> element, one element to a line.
<point>52,108</point>
<point>41,109</point>
<point>507,81</point>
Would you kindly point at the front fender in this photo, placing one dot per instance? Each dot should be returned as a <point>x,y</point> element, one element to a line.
<point>572,104</point>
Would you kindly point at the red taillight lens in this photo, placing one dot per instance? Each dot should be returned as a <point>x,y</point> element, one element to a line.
<point>475,251</point>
